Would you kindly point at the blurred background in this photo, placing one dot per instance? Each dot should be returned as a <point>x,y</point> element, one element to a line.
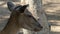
<point>52,9</point>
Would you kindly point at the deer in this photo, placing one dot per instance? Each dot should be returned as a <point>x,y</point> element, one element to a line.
<point>19,19</point>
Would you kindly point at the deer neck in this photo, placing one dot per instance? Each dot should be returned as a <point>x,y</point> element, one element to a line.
<point>12,26</point>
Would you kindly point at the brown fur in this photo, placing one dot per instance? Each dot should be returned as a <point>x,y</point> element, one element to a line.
<point>18,19</point>
<point>12,26</point>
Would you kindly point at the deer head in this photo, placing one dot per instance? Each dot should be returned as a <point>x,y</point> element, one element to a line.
<point>24,20</point>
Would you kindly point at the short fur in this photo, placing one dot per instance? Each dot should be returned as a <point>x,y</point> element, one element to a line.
<point>18,19</point>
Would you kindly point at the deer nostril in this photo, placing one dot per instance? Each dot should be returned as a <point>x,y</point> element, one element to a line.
<point>40,26</point>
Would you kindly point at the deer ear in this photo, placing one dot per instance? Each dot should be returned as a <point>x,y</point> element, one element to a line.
<point>10,6</point>
<point>22,9</point>
<point>25,6</point>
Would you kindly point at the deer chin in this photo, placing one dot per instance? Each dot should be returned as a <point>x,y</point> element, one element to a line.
<point>37,29</point>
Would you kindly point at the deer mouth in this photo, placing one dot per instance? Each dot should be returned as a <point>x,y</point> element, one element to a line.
<point>38,29</point>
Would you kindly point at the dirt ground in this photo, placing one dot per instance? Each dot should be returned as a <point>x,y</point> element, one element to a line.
<point>51,7</point>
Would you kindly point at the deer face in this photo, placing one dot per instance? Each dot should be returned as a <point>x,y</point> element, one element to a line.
<point>30,23</point>
<point>24,20</point>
